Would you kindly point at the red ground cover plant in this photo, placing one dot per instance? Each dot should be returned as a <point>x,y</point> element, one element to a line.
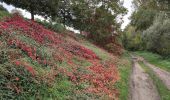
<point>29,68</point>
<point>17,79</point>
<point>101,77</point>
<point>30,28</point>
<point>82,51</point>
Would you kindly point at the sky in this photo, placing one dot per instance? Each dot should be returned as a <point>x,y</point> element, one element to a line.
<point>126,20</point>
<point>127,4</point>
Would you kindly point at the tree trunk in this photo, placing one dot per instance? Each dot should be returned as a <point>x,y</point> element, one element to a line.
<point>64,22</point>
<point>32,14</point>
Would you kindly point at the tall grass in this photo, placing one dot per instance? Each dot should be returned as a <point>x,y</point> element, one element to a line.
<point>125,68</point>
<point>155,59</point>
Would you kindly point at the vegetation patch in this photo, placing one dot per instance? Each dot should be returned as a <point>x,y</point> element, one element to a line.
<point>155,59</point>
<point>37,63</point>
<point>125,69</point>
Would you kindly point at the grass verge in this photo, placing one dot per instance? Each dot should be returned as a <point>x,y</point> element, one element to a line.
<point>101,53</point>
<point>124,68</point>
<point>155,59</point>
<point>162,89</point>
<point>3,14</point>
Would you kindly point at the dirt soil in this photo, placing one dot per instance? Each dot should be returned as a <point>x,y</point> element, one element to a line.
<point>141,85</point>
<point>162,74</point>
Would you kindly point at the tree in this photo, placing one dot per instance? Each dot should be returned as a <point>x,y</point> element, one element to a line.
<point>151,23</point>
<point>147,4</point>
<point>50,8</point>
<point>99,19</point>
<point>164,5</point>
<point>57,10</point>
<point>144,14</point>
<point>157,37</point>
<point>33,6</point>
<point>65,12</point>
<point>159,5</point>
<point>143,18</point>
<point>132,39</point>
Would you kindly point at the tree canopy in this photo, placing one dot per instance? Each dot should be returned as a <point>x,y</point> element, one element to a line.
<point>149,27</point>
<point>33,6</point>
<point>97,17</point>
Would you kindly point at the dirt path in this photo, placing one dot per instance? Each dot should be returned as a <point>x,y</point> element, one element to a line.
<point>162,74</point>
<point>141,85</point>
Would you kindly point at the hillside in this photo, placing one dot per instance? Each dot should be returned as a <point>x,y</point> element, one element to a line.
<point>36,63</point>
<point>108,60</point>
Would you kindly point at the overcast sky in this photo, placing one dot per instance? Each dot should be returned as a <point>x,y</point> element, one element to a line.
<point>127,4</point>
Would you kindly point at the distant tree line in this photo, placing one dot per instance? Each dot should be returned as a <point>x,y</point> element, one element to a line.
<point>149,28</point>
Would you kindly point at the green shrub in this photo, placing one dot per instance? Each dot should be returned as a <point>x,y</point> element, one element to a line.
<point>2,8</point>
<point>132,39</point>
<point>57,27</point>
<point>3,12</point>
<point>157,37</point>
<point>3,57</point>
<point>17,83</point>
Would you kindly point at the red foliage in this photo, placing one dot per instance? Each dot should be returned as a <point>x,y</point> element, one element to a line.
<point>17,63</point>
<point>100,76</point>
<point>87,53</point>
<point>42,35</point>
<point>81,51</point>
<point>17,79</point>
<point>29,69</point>
<point>31,28</point>
<point>31,51</point>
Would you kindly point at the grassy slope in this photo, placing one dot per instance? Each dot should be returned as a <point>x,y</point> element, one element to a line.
<point>162,89</point>
<point>125,68</point>
<point>101,53</point>
<point>155,59</point>
<point>3,14</point>
<point>62,88</point>
<point>26,85</point>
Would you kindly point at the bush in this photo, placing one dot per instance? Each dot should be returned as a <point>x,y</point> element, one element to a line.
<point>2,8</point>
<point>131,39</point>
<point>57,27</point>
<point>157,37</point>
<point>115,48</point>
<point>3,12</point>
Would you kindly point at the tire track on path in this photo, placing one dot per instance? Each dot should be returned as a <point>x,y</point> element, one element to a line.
<point>141,85</point>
